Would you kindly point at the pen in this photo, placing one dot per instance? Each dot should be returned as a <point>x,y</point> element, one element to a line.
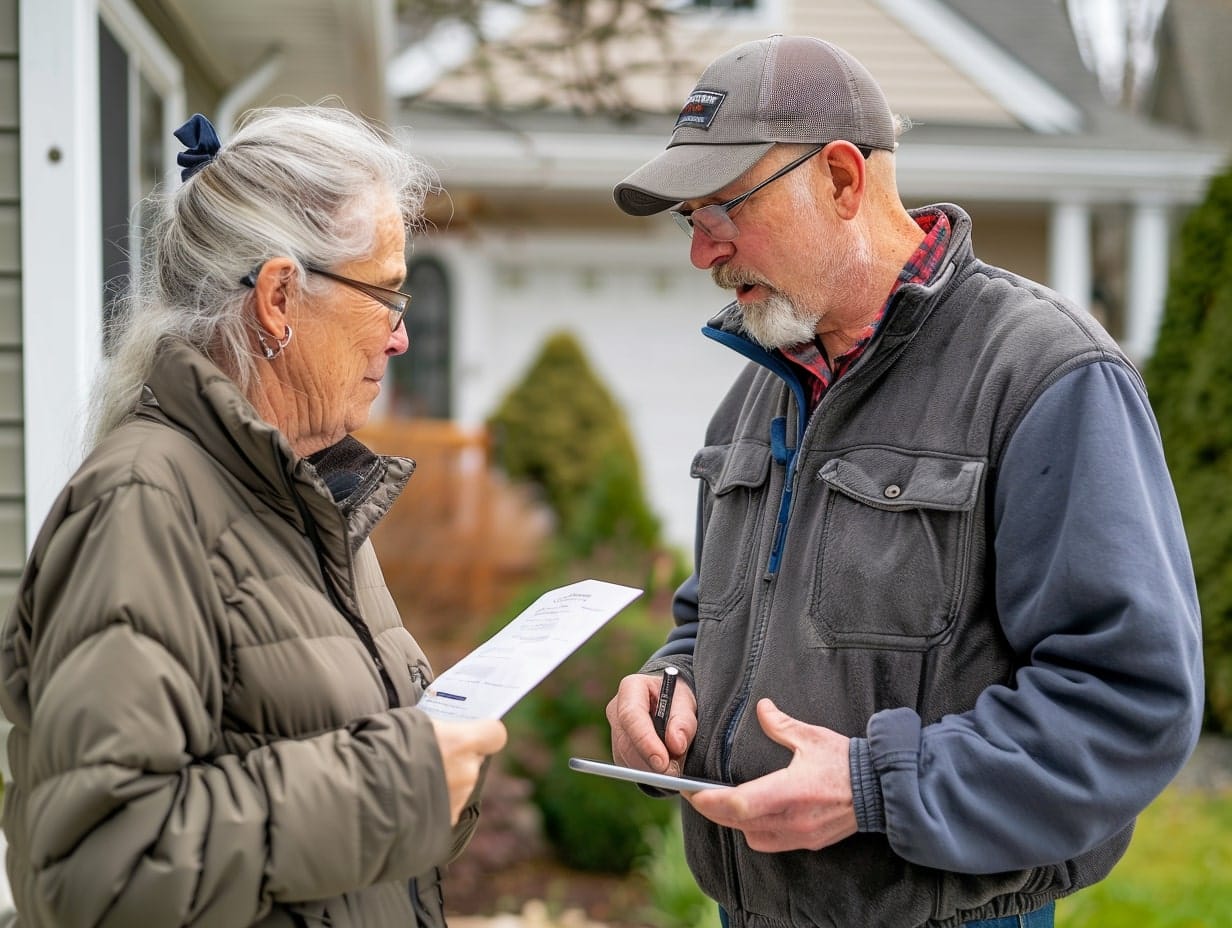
<point>663,708</point>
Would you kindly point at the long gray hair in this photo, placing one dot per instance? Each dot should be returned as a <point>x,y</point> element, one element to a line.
<point>297,181</point>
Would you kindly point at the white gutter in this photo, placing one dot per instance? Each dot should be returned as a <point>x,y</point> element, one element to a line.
<point>580,163</point>
<point>1038,173</point>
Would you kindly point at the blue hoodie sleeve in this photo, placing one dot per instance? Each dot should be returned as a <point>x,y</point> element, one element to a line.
<point>1095,592</point>
<point>682,638</point>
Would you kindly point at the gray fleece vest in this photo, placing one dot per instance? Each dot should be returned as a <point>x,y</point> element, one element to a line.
<point>867,585</point>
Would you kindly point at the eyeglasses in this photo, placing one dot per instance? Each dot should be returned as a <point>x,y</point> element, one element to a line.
<point>394,301</point>
<point>715,220</point>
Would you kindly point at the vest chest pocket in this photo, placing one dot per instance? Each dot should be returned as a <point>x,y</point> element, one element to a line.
<point>734,500</point>
<point>894,549</point>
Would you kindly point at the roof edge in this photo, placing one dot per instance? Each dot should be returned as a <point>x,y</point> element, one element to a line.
<point>1028,97</point>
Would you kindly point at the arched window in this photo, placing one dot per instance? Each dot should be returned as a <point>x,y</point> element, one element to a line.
<point>422,376</point>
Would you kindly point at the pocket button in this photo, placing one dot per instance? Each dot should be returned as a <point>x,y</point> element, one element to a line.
<point>893,491</point>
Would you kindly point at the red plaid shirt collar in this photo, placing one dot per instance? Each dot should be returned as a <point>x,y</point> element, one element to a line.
<point>819,372</point>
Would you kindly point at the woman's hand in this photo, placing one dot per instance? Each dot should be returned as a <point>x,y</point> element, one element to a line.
<point>464,747</point>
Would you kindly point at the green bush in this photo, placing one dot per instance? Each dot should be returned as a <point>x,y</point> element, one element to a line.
<point>592,823</point>
<point>1161,882</point>
<point>1190,379</point>
<point>673,897</point>
<point>561,429</point>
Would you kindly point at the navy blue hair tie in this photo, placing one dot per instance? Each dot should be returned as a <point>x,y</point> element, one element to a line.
<point>202,142</point>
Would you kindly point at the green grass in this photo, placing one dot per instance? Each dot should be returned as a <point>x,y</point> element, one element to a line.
<point>1177,872</point>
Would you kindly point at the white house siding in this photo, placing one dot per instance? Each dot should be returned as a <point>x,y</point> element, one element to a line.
<point>12,505</point>
<point>636,303</point>
<point>917,81</point>
<point>636,307</point>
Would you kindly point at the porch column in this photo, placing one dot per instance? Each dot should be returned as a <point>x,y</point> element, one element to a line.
<point>1069,251</point>
<point>60,234</point>
<point>1146,278</point>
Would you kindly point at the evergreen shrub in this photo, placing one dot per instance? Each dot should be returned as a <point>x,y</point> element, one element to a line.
<point>561,429</point>
<point>673,897</point>
<point>1190,381</point>
<point>592,823</point>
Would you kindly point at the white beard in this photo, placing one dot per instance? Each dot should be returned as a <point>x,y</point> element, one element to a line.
<point>782,319</point>
<point>776,323</point>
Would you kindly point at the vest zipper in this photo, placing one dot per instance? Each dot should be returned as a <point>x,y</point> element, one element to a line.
<point>780,525</point>
<point>788,456</point>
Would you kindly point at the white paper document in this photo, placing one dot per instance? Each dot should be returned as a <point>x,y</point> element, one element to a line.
<point>491,679</point>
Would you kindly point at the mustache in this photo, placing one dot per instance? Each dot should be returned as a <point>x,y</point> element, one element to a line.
<point>730,278</point>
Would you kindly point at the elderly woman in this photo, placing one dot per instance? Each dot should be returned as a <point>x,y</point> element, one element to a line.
<point>211,690</point>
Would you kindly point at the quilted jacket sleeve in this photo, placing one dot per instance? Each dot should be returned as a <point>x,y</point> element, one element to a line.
<point>113,675</point>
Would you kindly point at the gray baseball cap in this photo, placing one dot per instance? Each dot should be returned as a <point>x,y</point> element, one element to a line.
<point>778,89</point>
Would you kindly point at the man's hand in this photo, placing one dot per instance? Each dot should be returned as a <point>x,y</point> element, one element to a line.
<point>464,747</point>
<point>805,806</point>
<point>634,741</point>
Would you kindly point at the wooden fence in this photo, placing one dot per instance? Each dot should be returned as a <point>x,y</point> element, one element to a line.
<point>460,540</point>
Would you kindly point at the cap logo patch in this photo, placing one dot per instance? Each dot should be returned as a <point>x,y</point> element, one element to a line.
<point>700,109</point>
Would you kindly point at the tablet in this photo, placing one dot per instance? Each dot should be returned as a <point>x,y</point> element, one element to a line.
<point>646,777</point>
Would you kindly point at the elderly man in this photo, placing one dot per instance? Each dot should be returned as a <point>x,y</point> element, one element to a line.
<point>943,633</point>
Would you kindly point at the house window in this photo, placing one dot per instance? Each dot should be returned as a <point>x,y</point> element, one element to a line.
<point>422,375</point>
<point>140,97</point>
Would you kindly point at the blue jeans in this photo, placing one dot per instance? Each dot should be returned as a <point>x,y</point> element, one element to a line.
<point>1040,918</point>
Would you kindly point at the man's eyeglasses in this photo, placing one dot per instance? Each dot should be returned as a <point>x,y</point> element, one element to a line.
<point>394,301</point>
<point>715,220</point>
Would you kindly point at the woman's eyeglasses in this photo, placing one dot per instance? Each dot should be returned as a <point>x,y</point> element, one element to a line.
<point>394,301</point>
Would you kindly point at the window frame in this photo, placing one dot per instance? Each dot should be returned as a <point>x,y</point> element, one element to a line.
<point>149,59</point>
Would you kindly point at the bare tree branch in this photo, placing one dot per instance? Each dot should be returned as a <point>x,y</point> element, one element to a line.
<point>582,56</point>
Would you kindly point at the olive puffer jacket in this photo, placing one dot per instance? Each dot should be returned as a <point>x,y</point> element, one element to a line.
<point>211,688</point>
